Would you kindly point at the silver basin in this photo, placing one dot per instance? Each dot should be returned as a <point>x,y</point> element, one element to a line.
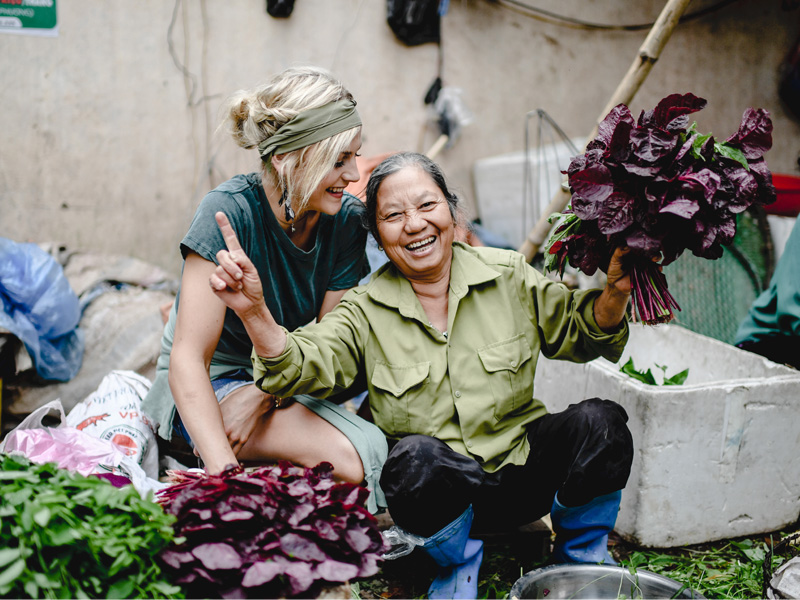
<point>597,581</point>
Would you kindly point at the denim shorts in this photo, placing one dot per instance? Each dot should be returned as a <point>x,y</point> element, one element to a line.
<point>222,387</point>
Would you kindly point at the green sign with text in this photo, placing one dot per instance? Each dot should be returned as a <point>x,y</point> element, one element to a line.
<point>34,17</point>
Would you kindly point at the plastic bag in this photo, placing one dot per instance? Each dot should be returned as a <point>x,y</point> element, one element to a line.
<point>280,9</point>
<point>786,581</point>
<point>41,309</point>
<point>73,449</point>
<point>415,22</point>
<point>400,542</point>
<point>114,412</point>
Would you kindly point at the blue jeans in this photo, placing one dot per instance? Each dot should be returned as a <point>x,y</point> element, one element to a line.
<point>222,387</point>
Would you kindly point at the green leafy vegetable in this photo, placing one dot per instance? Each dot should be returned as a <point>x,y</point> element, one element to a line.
<point>63,535</point>
<point>647,376</point>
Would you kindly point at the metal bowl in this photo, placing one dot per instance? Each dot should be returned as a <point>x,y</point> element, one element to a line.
<point>597,581</point>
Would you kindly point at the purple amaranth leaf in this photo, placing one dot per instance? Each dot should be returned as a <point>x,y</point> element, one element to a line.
<point>754,136</point>
<point>187,527</point>
<point>704,181</point>
<point>358,540</point>
<point>299,488</point>
<point>236,515</point>
<point>745,190</point>
<point>586,252</point>
<point>325,530</point>
<point>261,572</point>
<point>215,556</point>
<point>637,239</point>
<point>299,513</point>
<point>249,502</point>
<point>617,124</point>
<point>671,113</point>
<point>301,548</point>
<point>593,184</point>
<point>369,565</point>
<point>683,207</point>
<point>301,576</point>
<point>684,150</point>
<point>333,570</point>
<point>643,169</point>
<point>356,497</point>
<point>653,145</point>
<point>766,190</point>
<point>198,574</point>
<point>656,193</point>
<point>707,149</point>
<point>577,163</point>
<point>617,213</point>
<point>203,514</point>
<point>584,208</point>
<point>176,559</point>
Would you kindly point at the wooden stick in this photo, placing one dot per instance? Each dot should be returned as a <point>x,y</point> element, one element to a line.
<point>437,146</point>
<point>648,54</point>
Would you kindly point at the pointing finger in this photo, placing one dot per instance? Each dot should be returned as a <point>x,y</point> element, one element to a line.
<point>228,234</point>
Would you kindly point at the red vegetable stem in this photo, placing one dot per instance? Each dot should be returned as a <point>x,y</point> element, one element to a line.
<point>652,302</point>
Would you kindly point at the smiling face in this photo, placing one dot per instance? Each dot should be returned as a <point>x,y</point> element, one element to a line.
<point>327,197</point>
<point>415,225</point>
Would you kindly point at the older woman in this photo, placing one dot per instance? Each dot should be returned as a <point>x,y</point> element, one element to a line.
<point>447,337</point>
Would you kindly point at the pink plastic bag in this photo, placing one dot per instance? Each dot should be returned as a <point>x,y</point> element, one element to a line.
<point>73,449</point>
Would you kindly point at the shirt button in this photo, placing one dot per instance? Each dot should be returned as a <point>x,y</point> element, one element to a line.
<point>513,363</point>
<point>457,394</point>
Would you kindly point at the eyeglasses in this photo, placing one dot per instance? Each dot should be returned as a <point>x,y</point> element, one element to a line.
<point>401,216</point>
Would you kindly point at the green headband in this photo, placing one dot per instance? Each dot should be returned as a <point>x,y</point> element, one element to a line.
<point>311,126</point>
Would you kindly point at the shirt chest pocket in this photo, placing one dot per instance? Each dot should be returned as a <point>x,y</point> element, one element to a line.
<point>509,373</point>
<point>406,406</point>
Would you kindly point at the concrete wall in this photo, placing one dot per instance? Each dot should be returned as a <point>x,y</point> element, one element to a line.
<point>107,138</point>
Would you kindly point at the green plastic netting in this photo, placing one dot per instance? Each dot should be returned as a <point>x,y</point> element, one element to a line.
<point>715,295</point>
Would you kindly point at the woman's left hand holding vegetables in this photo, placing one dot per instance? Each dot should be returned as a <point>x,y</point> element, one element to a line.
<point>611,306</point>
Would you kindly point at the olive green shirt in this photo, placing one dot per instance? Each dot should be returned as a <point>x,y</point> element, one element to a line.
<point>471,388</point>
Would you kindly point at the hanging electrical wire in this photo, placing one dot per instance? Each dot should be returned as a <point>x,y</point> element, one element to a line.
<point>565,21</point>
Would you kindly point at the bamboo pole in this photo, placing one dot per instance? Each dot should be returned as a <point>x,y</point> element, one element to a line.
<point>648,54</point>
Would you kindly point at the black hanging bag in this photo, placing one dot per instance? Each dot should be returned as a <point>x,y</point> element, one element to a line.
<point>414,22</point>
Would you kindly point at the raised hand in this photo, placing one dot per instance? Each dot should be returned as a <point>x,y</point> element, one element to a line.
<point>235,281</point>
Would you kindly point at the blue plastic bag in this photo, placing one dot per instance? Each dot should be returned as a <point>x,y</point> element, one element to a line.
<point>41,309</point>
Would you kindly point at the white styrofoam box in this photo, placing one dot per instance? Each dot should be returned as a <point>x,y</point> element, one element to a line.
<point>500,188</point>
<point>716,457</point>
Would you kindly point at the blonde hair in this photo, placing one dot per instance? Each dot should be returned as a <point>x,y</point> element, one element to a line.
<point>255,115</point>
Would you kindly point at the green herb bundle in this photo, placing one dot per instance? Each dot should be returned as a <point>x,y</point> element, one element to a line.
<point>63,535</point>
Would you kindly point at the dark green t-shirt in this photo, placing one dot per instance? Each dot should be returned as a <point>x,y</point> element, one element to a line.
<point>295,281</point>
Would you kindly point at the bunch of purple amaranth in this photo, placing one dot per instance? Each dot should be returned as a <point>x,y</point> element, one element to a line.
<point>659,187</point>
<point>273,532</point>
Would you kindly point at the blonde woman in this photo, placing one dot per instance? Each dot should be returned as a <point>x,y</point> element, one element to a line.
<point>305,236</point>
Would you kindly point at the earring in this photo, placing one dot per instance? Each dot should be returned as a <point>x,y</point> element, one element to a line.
<point>287,209</point>
<point>289,213</point>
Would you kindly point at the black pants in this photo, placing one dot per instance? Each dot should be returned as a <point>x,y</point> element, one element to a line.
<point>782,349</point>
<point>582,452</point>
